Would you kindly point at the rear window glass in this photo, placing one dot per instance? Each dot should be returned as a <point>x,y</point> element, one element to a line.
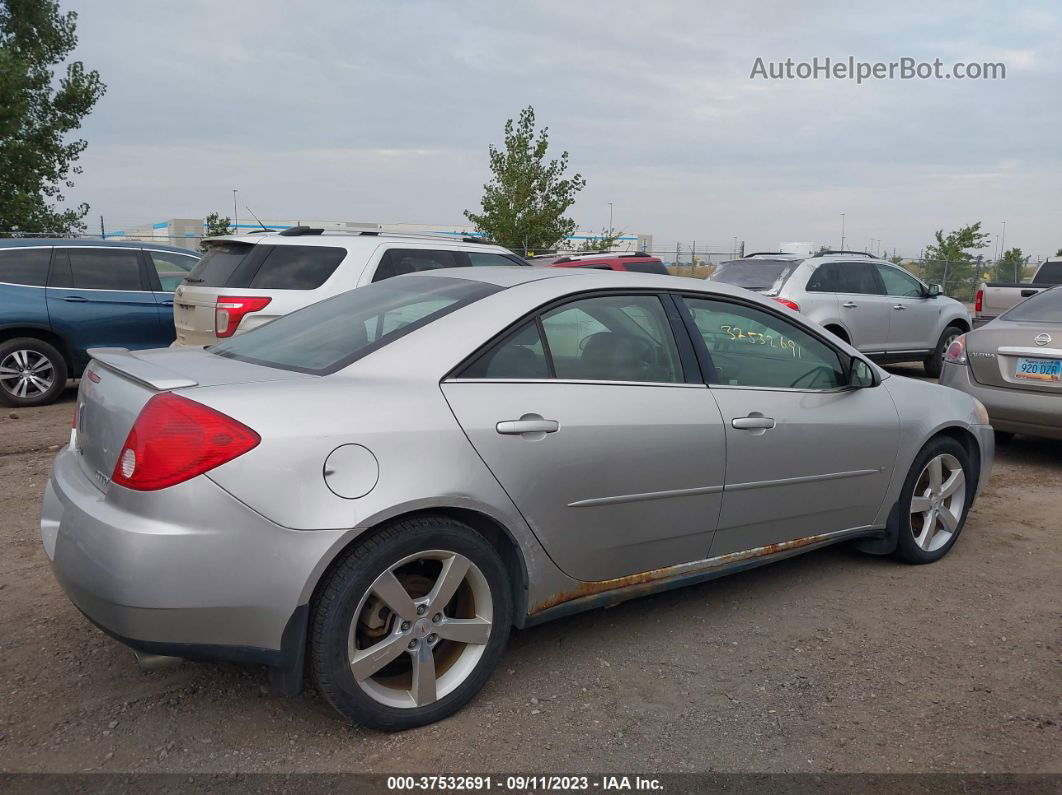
<point>754,274</point>
<point>25,266</point>
<point>400,261</point>
<point>1049,273</point>
<point>219,263</point>
<point>297,267</point>
<point>329,335</point>
<point>1045,307</point>
<point>646,267</point>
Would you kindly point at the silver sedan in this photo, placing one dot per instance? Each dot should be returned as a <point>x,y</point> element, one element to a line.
<point>373,490</point>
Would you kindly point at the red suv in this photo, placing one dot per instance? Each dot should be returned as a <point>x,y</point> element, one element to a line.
<point>608,261</point>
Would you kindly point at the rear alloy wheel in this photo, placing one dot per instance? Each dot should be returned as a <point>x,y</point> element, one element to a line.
<point>32,372</point>
<point>937,496</point>
<point>934,363</point>
<point>410,626</point>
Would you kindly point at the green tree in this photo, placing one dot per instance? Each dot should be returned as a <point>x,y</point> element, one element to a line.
<point>1011,266</point>
<point>217,224</point>
<point>1058,253</point>
<point>896,259</point>
<point>950,263</point>
<point>525,201</point>
<point>606,241</point>
<point>36,113</point>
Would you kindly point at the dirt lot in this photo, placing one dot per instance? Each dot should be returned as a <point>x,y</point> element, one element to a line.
<point>829,662</point>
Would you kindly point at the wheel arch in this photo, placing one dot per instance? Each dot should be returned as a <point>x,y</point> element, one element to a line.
<point>838,330</point>
<point>44,335</point>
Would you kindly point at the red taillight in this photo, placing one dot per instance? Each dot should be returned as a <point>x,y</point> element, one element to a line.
<point>230,310</point>
<point>174,439</point>
<point>979,301</point>
<point>956,352</point>
<point>786,302</point>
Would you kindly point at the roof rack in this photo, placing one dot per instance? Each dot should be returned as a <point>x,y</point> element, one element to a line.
<point>831,252</point>
<point>767,253</point>
<point>601,255</point>
<point>299,231</point>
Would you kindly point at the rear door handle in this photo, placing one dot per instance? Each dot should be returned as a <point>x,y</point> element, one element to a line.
<point>167,303</point>
<point>751,423</point>
<point>1027,293</point>
<point>850,305</point>
<point>75,299</point>
<point>899,307</point>
<point>517,427</point>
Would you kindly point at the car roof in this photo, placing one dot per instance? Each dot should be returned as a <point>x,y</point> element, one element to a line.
<point>355,240</point>
<point>37,242</point>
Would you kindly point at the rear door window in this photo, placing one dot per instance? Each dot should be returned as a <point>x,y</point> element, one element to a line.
<point>827,278</point>
<point>862,278</point>
<point>97,269</point>
<point>478,258</point>
<point>400,261</point>
<point>297,267</point>
<point>27,266</point>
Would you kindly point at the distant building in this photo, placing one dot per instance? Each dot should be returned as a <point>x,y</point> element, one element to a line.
<point>187,232</point>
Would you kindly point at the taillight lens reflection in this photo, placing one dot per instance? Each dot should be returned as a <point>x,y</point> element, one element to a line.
<point>956,352</point>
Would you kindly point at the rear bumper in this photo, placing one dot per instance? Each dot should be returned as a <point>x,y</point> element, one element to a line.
<point>188,571</point>
<point>1011,410</point>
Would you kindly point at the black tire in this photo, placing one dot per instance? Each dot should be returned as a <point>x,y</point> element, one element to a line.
<point>1004,437</point>
<point>934,363</point>
<point>332,614</point>
<point>14,349</point>
<point>907,549</point>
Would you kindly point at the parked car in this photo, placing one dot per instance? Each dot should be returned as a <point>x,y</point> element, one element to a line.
<point>879,308</point>
<point>58,298</point>
<point>378,486</point>
<point>636,262</point>
<point>1014,366</point>
<point>245,281</point>
<point>995,298</point>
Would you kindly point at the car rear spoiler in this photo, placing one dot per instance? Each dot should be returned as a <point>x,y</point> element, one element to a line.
<point>122,360</point>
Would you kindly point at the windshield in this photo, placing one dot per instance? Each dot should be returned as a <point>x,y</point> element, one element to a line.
<point>1045,307</point>
<point>755,274</point>
<point>329,335</point>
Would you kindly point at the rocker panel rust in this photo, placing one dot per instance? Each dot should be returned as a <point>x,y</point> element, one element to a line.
<point>683,570</point>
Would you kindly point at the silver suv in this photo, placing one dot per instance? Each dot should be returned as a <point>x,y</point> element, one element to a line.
<point>876,306</point>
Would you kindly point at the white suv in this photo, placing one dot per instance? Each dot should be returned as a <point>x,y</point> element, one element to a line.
<point>244,281</point>
<point>876,306</point>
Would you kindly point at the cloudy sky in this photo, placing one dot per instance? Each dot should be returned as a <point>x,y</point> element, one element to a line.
<point>382,111</point>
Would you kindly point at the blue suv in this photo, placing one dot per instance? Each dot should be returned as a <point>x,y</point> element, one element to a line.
<point>58,298</point>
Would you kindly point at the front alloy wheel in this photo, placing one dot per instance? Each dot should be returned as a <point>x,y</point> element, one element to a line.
<point>410,624</point>
<point>935,500</point>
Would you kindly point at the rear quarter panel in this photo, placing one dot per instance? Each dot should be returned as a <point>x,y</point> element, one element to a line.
<point>23,306</point>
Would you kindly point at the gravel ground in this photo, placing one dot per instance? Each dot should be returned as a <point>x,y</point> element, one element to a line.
<point>831,661</point>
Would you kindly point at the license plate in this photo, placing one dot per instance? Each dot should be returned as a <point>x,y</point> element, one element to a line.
<point>1049,370</point>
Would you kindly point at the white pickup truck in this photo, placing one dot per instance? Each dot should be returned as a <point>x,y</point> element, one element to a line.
<point>995,298</point>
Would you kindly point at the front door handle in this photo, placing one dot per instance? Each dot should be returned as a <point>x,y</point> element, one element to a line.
<point>167,303</point>
<point>75,299</point>
<point>850,305</point>
<point>753,423</point>
<point>899,307</point>
<point>526,424</point>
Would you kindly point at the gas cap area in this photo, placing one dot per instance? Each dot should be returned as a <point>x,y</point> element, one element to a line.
<point>351,471</point>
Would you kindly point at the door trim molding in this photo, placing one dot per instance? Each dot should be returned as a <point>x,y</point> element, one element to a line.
<point>650,495</point>
<point>761,484</point>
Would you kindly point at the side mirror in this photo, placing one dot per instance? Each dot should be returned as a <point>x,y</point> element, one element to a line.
<point>934,290</point>
<point>861,375</point>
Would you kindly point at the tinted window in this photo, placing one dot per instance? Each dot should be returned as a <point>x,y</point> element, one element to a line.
<point>1049,273</point>
<point>612,338</point>
<point>827,278</point>
<point>646,267</point>
<point>750,347</point>
<point>861,277</point>
<point>754,274</point>
<point>899,283</point>
<point>519,356</point>
<point>25,266</point>
<point>1045,307</point>
<point>219,264</point>
<point>398,262</point>
<point>97,269</point>
<point>329,335</point>
<point>297,267</point>
<point>478,258</point>
<point>171,268</point>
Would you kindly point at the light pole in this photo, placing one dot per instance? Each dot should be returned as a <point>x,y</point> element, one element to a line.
<point>1002,237</point>
<point>235,214</point>
<point>842,231</point>
<point>610,220</point>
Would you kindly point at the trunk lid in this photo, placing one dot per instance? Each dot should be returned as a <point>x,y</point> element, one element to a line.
<point>996,351</point>
<point>117,383</point>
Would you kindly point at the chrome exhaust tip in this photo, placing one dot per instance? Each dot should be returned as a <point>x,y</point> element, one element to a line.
<point>155,662</point>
